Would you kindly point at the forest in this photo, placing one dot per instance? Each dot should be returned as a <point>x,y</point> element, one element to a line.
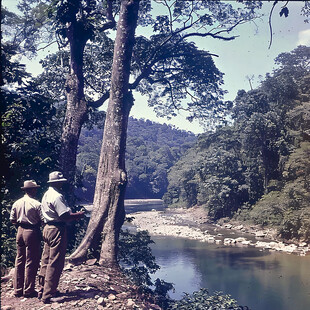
<point>257,169</point>
<point>151,151</point>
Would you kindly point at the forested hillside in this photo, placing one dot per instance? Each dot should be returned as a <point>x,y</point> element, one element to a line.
<point>257,169</point>
<point>152,149</point>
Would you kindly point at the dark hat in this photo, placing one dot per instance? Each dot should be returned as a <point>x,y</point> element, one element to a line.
<point>30,184</point>
<point>56,176</point>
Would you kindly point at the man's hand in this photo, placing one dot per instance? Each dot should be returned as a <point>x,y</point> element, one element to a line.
<point>79,214</point>
<point>68,216</point>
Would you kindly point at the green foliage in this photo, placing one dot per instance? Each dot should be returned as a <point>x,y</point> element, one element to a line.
<point>30,143</point>
<point>135,255</point>
<point>258,168</point>
<point>30,131</point>
<point>212,175</point>
<point>8,245</point>
<point>286,207</point>
<point>203,300</point>
<point>151,150</point>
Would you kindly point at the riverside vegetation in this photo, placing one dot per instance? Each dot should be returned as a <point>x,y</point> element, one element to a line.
<point>257,169</point>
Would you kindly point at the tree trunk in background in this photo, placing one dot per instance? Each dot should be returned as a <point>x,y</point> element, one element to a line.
<point>76,104</point>
<point>108,213</point>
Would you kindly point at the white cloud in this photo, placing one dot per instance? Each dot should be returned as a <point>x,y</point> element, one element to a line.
<point>304,37</point>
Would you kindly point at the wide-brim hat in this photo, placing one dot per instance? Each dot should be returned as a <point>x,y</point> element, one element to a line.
<point>55,177</point>
<point>30,184</point>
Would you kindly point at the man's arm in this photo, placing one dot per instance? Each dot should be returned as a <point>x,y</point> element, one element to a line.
<point>13,216</point>
<point>69,216</point>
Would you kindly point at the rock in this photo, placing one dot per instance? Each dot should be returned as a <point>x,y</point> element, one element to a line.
<point>218,241</point>
<point>93,275</point>
<point>7,308</point>
<point>111,297</point>
<point>9,276</point>
<point>130,303</point>
<point>246,242</point>
<point>68,267</point>
<point>91,262</point>
<point>303,244</point>
<point>261,244</point>
<point>260,234</point>
<point>240,239</point>
<point>211,239</point>
<point>228,226</point>
<point>122,295</point>
<point>227,241</point>
<point>291,248</point>
<point>239,227</point>
<point>101,301</point>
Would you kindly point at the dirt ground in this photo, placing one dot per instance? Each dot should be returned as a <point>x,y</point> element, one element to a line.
<point>86,286</point>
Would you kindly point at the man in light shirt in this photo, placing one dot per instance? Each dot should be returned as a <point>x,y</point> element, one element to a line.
<point>56,213</point>
<point>26,215</point>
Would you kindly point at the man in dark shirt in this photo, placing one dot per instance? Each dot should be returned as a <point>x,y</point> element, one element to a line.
<point>26,215</point>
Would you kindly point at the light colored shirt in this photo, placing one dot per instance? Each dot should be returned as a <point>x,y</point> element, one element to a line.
<point>26,210</point>
<point>54,205</point>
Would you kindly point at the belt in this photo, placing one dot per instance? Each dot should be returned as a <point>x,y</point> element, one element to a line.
<point>61,224</point>
<point>28,226</point>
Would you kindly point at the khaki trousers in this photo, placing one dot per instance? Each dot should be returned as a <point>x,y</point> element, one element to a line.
<point>28,243</point>
<point>53,259</point>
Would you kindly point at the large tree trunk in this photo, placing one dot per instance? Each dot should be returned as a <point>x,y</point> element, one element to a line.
<point>76,104</point>
<point>108,213</point>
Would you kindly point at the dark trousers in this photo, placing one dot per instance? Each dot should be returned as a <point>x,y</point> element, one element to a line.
<point>28,243</point>
<point>53,259</point>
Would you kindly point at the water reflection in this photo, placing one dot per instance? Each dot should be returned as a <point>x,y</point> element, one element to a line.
<point>261,280</point>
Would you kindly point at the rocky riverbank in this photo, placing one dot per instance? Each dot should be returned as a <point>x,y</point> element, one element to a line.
<point>193,223</point>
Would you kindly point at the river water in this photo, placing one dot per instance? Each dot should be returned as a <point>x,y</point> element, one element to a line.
<point>261,280</point>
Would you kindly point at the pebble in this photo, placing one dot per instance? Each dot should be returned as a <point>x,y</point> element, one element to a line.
<point>111,297</point>
<point>130,303</point>
<point>101,301</point>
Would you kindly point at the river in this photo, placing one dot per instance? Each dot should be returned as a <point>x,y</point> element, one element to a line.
<point>261,280</point>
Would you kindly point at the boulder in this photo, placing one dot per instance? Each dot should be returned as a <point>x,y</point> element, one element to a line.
<point>260,234</point>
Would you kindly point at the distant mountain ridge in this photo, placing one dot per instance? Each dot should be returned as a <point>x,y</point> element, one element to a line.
<point>152,149</point>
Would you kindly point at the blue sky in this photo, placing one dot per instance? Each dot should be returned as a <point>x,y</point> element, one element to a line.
<point>248,55</point>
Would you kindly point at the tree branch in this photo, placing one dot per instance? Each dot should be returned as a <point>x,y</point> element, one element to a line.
<point>111,20</point>
<point>100,101</point>
<point>42,48</point>
<point>270,26</point>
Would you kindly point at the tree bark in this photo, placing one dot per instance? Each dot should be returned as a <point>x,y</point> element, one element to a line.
<point>108,212</point>
<point>76,104</point>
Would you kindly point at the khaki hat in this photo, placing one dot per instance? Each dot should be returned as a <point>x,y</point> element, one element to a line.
<point>56,176</point>
<point>30,184</point>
